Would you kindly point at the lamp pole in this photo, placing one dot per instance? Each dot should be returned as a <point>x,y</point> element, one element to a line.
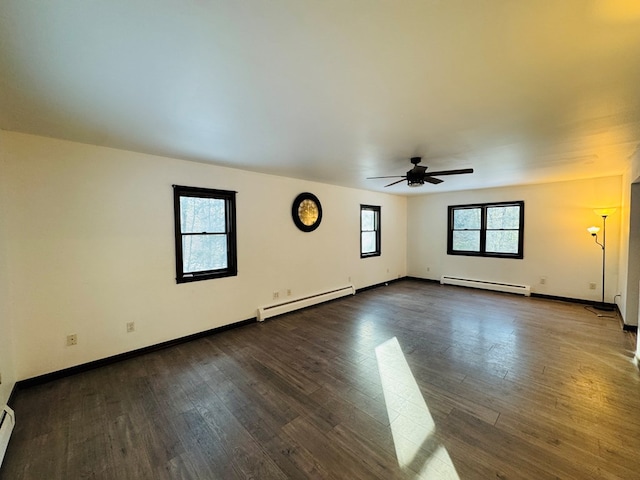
<point>604,251</point>
<point>603,306</point>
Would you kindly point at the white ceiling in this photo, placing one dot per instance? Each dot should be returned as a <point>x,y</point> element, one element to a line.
<point>334,90</point>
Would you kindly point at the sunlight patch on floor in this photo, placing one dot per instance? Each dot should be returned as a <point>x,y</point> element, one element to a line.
<point>412,426</point>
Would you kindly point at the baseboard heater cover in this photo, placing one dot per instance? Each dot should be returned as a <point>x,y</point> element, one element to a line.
<point>7,421</point>
<point>297,303</point>
<point>487,285</point>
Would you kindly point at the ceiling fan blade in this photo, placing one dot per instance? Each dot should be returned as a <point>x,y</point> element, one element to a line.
<point>433,180</point>
<point>390,176</point>
<point>393,183</point>
<point>451,172</point>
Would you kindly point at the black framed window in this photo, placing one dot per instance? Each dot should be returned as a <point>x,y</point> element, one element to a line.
<point>205,231</point>
<point>487,230</point>
<point>369,231</point>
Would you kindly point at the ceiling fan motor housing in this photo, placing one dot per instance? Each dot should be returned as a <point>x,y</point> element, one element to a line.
<point>415,176</point>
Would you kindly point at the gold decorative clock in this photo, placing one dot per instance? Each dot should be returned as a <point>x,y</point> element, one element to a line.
<point>306,212</point>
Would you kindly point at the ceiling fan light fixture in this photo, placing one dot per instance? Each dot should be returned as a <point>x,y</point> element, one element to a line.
<point>414,183</point>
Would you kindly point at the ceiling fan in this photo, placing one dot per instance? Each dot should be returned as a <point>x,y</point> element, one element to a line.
<point>418,174</point>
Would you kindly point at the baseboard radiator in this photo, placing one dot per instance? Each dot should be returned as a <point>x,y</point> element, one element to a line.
<point>486,285</point>
<point>7,421</point>
<point>297,303</point>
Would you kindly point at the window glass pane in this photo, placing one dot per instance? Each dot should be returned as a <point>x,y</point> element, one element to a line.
<point>199,215</point>
<point>503,217</point>
<point>466,218</point>
<point>502,241</point>
<point>204,252</point>
<point>368,242</point>
<point>368,219</point>
<point>466,240</point>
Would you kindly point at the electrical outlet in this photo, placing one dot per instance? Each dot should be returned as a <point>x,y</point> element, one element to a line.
<point>428,269</point>
<point>131,327</point>
<point>592,286</point>
<point>72,339</point>
<point>288,292</point>
<point>543,280</point>
<point>276,295</point>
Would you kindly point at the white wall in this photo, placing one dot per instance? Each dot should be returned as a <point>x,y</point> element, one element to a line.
<point>7,370</point>
<point>623,260</point>
<point>556,243</point>
<point>629,275</point>
<point>630,246</point>
<point>91,247</point>
<point>629,271</point>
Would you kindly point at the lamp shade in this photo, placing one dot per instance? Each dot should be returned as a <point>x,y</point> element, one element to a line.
<point>604,212</point>
<point>593,230</point>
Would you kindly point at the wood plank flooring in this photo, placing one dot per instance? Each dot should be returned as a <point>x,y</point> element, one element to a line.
<point>412,380</point>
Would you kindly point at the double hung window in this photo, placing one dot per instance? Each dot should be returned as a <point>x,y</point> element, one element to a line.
<point>487,230</point>
<point>205,233</point>
<point>369,231</point>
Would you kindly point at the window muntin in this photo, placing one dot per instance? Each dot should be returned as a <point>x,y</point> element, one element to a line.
<point>369,231</point>
<point>205,233</point>
<point>488,230</point>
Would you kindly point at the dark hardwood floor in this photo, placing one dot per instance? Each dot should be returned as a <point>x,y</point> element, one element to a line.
<point>412,380</point>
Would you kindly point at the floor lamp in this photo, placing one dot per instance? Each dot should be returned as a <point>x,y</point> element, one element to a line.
<point>604,213</point>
